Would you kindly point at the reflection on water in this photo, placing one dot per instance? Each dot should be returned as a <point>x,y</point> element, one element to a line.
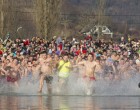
<point>68,103</point>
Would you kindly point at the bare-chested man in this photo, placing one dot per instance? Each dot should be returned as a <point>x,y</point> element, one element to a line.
<point>55,61</point>
<point>114,56</point>
<point>46,72</point>
<point>89,75</point>
<point>29,73</point>
<point>11,75</point>
<point>99,69</point>
<point>35,70</point>
<point>15,68</point>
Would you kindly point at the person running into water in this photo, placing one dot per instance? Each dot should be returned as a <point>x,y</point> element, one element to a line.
<point>29,73</point>
<point>46,72</point>
<point>64,68</point>
<point>11,75</point>
<point>89,75</point>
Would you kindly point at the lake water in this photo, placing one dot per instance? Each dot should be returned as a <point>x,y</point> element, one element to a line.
<point>28,102</point>
<point>124,95</point>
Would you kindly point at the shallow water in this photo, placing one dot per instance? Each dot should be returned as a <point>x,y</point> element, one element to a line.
<point>124,95</point>
<point>21,102</point>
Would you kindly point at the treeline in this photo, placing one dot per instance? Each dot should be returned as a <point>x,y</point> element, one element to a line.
<point>66,18</point>
<point>36,17</point>
<point>120,15</point>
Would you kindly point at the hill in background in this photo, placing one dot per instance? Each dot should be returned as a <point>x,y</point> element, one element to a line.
<point>118,12</point>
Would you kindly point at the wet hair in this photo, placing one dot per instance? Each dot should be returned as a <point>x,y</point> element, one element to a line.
<point>65,54</point>
<point>91,54</point>
<point>43,52</point>
<point>15,58</point>
<point>98,58</point>
<point>8,68</point>
<point>122,59</point>
<point>8,60</point>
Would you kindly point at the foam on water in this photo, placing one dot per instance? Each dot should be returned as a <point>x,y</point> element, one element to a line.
<point>77,86</point>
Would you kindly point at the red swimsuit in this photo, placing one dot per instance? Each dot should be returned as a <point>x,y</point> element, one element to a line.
<point>10,79</point>
<point>91,78</point>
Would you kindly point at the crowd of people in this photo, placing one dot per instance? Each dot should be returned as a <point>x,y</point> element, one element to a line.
<point>37,60</point>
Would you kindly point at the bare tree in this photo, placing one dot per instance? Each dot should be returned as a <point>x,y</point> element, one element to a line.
<point>40,17</point>
<point>8,18</point>
<point>86,20</point>
<point>66,22</point>
<point>48,13</point>
<point>101,15</point>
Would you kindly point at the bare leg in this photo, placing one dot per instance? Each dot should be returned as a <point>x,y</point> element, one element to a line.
<point>41,83</point>
<point>49,87</point>
<point>60,84</point>
<point>89,87</point>
<point>16,84</point>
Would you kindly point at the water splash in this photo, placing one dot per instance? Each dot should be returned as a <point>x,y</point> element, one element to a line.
<point>77,86</point>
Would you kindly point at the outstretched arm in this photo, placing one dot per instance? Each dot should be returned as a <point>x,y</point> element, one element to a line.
<point>80,63</point>
<point>4,71</point>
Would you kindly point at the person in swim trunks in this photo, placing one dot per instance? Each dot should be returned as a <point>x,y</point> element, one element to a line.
<point>46,73</point>
<point>11,75</point>
<point>89,75</point>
